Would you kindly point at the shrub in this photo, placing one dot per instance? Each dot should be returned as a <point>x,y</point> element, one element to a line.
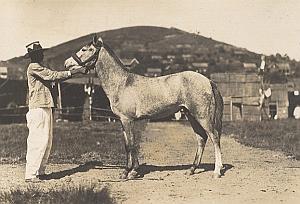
<point>72,195</point>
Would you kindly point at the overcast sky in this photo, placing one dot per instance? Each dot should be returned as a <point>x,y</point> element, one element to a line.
<point>263,26</point>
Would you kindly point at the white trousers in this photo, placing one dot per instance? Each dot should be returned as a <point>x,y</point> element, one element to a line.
<point>39,141</point>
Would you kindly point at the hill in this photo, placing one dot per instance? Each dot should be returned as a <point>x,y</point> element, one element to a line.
<point>171,47</point>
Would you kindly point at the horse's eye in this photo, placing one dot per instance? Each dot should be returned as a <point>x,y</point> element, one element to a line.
<point>91,49</point>
<point>83,49</point>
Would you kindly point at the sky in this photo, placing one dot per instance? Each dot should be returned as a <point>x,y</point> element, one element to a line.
<point>263,26</point>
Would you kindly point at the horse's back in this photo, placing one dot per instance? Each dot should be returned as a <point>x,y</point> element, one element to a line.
<point>196,83</point>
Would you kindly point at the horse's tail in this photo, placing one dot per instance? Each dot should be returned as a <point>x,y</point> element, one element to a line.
<point>218,113</point>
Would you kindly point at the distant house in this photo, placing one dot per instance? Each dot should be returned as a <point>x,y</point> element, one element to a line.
<point>153,72</point>
<point>240,52</point>
<point>170,36</point>
<point>142,50</point>
<point>280,67</point>
<point>202,50</point>
<point>218,45</point>
<point>187,45</point>
<point>156,57</point>
<point>164,61</point>
<point>284,68</point>
<point>187,57</point>
<point>130,63</point>
<point>179,46</point>
<point>201,67</point>
<point>3,72</point>
<point>250,67</point>
<point>171,57</point>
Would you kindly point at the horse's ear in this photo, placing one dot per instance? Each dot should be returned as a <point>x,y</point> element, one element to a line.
<point>97,42</point>
<point>95,39</point>
<point>100,41</point>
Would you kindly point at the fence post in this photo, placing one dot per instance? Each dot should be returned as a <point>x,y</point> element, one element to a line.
<point>59,104</point>
<point>89,89</point>
<point>57,111</point>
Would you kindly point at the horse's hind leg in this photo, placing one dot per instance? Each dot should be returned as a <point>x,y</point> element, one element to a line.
<point>205,129</point>
<point>201,137</point>
<point>214,135</point>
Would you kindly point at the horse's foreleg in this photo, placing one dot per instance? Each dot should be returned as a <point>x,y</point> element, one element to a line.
<point>126,171</point>
<point>131,150</point>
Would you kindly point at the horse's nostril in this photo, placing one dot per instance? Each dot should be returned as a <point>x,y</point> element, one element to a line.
<point>65,64</point>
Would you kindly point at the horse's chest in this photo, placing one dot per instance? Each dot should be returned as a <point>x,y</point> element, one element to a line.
<point>123,105</point>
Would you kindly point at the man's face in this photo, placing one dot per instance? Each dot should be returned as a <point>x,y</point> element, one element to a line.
<point>37,56</point>
<point>41,55</point>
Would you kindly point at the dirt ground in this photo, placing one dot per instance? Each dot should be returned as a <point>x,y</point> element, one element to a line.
<point>251,175</point>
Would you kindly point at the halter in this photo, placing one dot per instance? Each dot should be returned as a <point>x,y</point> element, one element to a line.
<point>91,58</point>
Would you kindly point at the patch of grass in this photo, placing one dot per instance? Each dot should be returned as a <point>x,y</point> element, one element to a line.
<point>74,142</point>
<point>66,195</point>
<point>283,135</point>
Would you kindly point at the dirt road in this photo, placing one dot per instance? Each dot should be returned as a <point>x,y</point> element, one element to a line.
<point>252,175</point>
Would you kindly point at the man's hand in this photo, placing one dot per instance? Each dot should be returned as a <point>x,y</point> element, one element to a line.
<point>81,70</point>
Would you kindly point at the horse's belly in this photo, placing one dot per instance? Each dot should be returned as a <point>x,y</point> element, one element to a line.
<point>158,112</point>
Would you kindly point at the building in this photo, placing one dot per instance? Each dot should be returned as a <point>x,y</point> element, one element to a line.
<point>243,99</point>
<point>284,68</point>
<point>130,63</point>
<point>250,67</point>
<point>201,67</point>
<point>3,72</point>
<point>187,57</point>
<point>279,100</point>
<point>153,72</point>
<point>293,95</point>
<point>156,57</point>
<point>171,57</point>
<point>280,67</point>
<point>241,96</point>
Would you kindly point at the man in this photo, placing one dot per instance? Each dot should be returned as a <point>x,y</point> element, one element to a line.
<point>262,65</point>
<point>39,117</point>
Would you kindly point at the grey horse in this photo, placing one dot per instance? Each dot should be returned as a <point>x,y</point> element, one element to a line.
<point>133,97</point>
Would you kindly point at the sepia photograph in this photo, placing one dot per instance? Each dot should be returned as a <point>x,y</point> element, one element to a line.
<point>149,101</point>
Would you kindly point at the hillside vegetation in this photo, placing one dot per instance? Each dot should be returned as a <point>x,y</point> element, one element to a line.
<point>147,42</point>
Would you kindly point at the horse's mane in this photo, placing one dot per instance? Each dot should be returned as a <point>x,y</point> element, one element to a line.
<point>112,53</point>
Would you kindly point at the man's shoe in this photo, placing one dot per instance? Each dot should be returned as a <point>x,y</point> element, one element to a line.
<point>33,180</point>
<point>43,177</point>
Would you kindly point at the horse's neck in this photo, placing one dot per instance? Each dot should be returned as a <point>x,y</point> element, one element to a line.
<point>110,72</point>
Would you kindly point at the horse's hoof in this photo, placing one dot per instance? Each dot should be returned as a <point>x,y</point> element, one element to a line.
<point>132,175</point>
<point>124,175</point>
<point>190,172</point>
<point>216,175</point>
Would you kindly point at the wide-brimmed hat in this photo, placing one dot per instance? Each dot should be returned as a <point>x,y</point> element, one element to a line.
<point>33,47</point>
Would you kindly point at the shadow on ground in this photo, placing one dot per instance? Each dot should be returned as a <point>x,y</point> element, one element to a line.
<point>146,169</point>
<point>143,170</point>
<point>81,168</point>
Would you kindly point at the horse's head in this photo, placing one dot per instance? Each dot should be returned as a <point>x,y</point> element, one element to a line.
<point>87,56</point>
